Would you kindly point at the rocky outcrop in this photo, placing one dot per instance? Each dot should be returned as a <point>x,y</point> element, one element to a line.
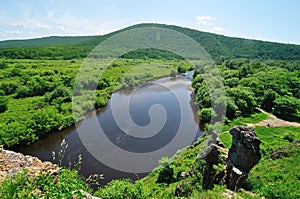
<point>231,167</point>
<point>12,163</point>
<point>214,170</point>
<point>243,155</point>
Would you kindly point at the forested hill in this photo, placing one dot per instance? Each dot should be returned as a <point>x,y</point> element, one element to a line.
<point>45,41</point>
<point>216,45</point>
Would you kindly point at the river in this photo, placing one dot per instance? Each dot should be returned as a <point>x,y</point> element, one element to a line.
<point>167,102</point>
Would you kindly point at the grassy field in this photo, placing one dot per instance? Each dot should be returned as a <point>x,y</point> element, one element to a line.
<point>274,178</point>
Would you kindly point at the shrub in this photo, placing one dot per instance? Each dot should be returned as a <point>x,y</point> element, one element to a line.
<point>3,104</point>
<point>121,189</point>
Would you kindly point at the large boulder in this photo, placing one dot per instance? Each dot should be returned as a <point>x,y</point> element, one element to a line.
<point>231,168</point>
<point>214,170</point>
<point>244,154</point>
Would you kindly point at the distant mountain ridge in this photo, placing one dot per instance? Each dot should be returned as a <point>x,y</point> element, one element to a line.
<point>44,41</point>
<point>216,45</point>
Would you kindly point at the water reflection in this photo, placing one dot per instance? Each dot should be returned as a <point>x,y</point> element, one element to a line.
<point>146,96</point>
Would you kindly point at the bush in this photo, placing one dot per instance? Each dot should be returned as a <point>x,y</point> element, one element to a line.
<point>3,104</point>
<point>286,106</point>
<point>66,185</point>
<point>60,91</point>
<point>121,189</point>
<point>166,172</point>
<point>268,100</point>
<point>206,114</point>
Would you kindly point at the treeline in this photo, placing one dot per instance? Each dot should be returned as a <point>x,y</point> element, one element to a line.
<point>45,41</point>
<point>65,52</point>
<point>217,46</point>
<point>271,85</point>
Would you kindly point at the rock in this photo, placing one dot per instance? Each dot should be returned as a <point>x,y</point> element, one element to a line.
<point>214,170</point>
<point>12,163</point>
<point>278,155</point>
<point>184,174</point>
<point>243,155</point>
<point>230,168</point>
<point>230,194</point>
<point>296,142</point>
<point>236,178</point>
<point>181,191</point>
<point>85,195</point>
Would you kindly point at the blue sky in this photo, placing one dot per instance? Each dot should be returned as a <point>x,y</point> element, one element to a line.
<point>271,20</point>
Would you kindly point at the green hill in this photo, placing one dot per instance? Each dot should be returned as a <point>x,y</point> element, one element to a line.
<point>44,41</point>
<point>216,45</point>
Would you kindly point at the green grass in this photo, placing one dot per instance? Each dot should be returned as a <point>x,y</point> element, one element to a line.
<point>242,121</point>
<point>67,184</point>
<point>277,178</point>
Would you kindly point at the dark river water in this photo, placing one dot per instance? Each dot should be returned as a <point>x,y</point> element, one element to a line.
<point>128,137</point>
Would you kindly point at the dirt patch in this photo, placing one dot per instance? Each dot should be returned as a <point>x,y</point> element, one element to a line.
<point>274,121</point>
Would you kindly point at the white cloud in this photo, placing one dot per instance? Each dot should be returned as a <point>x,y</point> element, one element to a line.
<point>43,26</point>
<point>9,33</point>
<point>209,21</point>
<point>217,29</point>
<point>12,32</point>
<point>72,25</point>
<point>18,24</point>
<point>206,20</point>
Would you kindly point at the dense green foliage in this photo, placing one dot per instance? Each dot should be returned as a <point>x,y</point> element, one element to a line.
<point>273,86</point>
<point>45,41</point>
<point>121,189</point>
<point>218,46</point>
<point>67,184</point>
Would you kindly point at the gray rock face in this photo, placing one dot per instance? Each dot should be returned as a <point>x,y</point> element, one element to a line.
<point>243,154</point>
<point>215,157</point>
<point>241,158</point>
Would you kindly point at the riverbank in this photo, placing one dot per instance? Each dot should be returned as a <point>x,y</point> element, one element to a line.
<point>167,92</point>
<point>280,150</point>
<point>38,100</point>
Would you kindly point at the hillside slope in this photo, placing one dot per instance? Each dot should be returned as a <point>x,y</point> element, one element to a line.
<point>44,41</point>
<point>216,46</point>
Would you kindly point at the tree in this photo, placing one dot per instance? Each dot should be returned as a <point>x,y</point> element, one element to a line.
<point>3,104</point>
<point>166,173</point>
<point>206,114</point>
<point>286,106</point>
<point>22,91</point>
<point>244,99</point>
<point>232,109</point>
<point>181,69</point>
<point>2,93</point>
<point>268,100</point>
<point>173,73</point>
<point>60,91</point>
